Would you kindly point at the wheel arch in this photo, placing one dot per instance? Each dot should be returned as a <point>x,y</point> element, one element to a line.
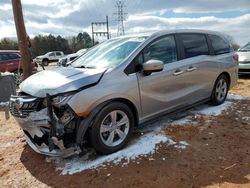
<point>228,77</point>
<point>130,105</point>
<point>88,121</point>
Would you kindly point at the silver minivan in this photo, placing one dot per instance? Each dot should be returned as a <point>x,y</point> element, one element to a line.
<point>119,84</point>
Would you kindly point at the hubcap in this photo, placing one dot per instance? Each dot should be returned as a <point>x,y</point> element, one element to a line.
<point>114,128</point>
<point>221,90</point>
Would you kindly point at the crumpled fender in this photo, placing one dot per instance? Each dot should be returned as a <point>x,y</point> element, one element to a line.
<point>87,122</point>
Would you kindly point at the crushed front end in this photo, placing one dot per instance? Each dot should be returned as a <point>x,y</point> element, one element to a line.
<point>48,123</point>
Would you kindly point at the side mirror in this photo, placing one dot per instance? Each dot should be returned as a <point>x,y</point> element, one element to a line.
<point>152,66</point>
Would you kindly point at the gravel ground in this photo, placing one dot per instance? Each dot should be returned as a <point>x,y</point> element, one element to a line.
<point>211,150</point>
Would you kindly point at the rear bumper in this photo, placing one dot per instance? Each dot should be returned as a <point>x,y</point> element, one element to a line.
<point>244,68</point>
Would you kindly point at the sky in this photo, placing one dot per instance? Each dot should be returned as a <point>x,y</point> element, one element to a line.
<point>69,17</point>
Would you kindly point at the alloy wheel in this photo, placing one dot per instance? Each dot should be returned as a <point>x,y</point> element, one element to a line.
<point>221,89</point>
<point>114,128</point>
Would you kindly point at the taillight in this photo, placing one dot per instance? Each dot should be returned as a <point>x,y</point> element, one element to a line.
<point>236,57</point>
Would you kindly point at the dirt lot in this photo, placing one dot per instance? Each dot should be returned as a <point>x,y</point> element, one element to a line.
<point>218,155</point>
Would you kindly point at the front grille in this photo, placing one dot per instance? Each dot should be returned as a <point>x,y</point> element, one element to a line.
<point>22,106</point>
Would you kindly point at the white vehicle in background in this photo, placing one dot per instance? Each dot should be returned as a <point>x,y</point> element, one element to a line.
<point>64,60</point>
<point>244,59</point>
<point>49,57</point>
<point>82,51</point>
<point>70,57</point>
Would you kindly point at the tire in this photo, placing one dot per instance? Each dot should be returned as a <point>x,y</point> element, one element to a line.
<point>107,138</point>
<point>45,62</point>
<point>18,76</point>
<point>220,90</point>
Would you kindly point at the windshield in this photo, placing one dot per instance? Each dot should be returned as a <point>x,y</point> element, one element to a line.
<point>108,54</point>
<point>245,48</point>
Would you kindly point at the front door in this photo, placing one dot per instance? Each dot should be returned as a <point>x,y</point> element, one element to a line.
<point>165,90</point>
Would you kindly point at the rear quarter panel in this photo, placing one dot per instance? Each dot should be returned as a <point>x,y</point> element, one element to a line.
<point>229,65</point>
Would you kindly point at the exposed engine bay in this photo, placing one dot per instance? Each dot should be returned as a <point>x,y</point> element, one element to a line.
<point>50,126</point>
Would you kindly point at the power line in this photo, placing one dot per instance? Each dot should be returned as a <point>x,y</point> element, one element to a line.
<point>100,33</point>
<point>121,16</point>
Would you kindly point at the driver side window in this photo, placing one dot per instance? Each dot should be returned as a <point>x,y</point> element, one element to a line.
<point>163,49</point>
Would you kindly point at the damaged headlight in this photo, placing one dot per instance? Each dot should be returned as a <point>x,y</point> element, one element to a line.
<point>61,100</point>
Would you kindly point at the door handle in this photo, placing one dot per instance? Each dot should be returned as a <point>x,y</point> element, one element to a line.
<point>178,72</point>
<point>190,69</point>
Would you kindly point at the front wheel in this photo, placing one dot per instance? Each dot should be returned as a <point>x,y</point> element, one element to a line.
<point>112,128</point>
<point>220,90</point>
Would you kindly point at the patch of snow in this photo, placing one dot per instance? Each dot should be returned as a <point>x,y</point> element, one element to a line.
<point>234,97</point>
<point>182,145</point>
<point>213,110</point>
<point>246,118</point>
<point>142,146</point>
<point>6,73</point>
<point>183,121</point>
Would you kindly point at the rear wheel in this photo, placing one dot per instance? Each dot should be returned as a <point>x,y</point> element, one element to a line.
<point>112,128</point>
<point>220,90</point>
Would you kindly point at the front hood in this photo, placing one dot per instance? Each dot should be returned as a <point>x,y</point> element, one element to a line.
<point>60,80</point>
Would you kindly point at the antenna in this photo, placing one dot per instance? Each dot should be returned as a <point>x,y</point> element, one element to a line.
<point>121,16</point>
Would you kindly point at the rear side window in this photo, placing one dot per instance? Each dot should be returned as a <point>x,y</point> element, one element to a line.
<point>58,53</point>
<point>4,57</point>
<point>194,45</point>
<point>163,49</point>
<point>220,46</point>
<point>14,56</point>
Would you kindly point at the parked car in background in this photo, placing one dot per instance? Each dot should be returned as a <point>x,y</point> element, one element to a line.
<point>70,57</point>
<point>119,84</point>
<point>49,57</point>
<point>64,60</point>
<point>244,59</point>
<point>10,61</point>
<point>82,51</point>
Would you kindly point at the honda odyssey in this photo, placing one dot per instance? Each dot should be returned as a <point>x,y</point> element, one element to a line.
<point>119,84</point>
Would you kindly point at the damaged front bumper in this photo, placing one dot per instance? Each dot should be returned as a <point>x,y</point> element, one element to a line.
<point>37,128</point>
<point>44,149</point>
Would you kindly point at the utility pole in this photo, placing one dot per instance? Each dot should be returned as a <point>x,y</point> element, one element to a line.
<point>22,38</point>
<point>104,33</point>
<point>121,16</point>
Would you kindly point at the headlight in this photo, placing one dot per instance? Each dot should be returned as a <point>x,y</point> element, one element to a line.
<point>61,100</point>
